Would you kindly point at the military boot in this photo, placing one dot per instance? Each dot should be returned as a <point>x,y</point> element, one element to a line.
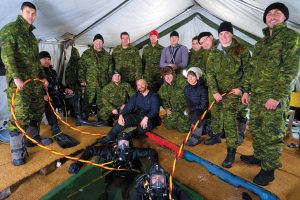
<point>195,137</point>
<point>33,132</point>
<point>18,149</point>
<point>230,158</point>
<point>213,140</point>
<point>81,122</point>
<point>250,159</point>
<point>242,124</point>
<point>263,178</point>
<point>63,140</point>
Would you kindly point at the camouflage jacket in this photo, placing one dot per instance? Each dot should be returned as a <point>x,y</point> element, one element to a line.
<point>172,96</point>
<point>195,58</point>
<point>94,68</point>
<point>128,62</point>
<point>71,74</point>
<point>151,59</point>
<point>204,56</point>
<point>275,64</point>
<point>19,51</point>
<point>113,96</point>
<point>226,67</point>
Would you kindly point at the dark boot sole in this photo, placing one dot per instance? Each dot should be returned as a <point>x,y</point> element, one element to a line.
<point>264,183</point>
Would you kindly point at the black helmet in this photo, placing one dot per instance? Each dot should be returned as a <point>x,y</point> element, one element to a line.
<point>123,147</point>
<point>158,182</point>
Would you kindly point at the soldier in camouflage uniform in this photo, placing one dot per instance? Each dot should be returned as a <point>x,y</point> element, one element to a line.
<point>207,42</point>
<point>114,97</point>
<point>19,52</point>
<point>227,63</point>
<point>275,64</point>
<point>71,73</point>
<point>173,100</point>
<point>126,59</point>
<point>150,61</point>
<point>93,73</point>
<point>195,54</point>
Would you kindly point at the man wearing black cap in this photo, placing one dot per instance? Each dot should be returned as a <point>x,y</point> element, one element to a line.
<point>207,42</point>
<point>275,64</point>
<point>114,97</point>
<point>93,73</point>
<point>226,65</point>
<point>60,96</point>
<point>175,55</point>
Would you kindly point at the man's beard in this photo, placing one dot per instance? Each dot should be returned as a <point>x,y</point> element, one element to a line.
<point>142,89</point>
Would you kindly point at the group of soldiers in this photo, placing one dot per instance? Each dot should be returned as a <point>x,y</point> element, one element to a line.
<point>214,67</point>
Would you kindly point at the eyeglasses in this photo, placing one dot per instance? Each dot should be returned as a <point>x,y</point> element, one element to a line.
<point>203,41</point>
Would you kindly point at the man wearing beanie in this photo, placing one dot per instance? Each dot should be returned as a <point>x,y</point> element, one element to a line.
<point>94,66</point>
<point>114,102</point>
<point>127,60</point>
<point>150,61</point>
<point>226,65</point>
<point>19,53</point>
<point>175,55</point>
<point>207,42</point>
<point>173,101</point>
<point>195,54</point>
<point>275,63</point>
<point>60,94</point>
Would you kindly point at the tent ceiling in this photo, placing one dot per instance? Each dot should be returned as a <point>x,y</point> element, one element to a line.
<point>138,17</point>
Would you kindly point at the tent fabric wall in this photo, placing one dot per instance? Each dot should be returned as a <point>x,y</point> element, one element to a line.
<point>194,27</point>
<point>247,17</point>
<point>4,112</point>
<point>58,21</point>
<point>56,18</point>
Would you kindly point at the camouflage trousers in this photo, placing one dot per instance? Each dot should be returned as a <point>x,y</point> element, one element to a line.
<point>177,120</point>
<point>29,104</point>
<point>105,113</point>
<point>267,128</point>
<point>231,107</point>
<point>91,96</point>
<point>215,117</point>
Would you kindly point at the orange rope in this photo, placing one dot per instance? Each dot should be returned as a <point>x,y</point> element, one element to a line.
<point>186,139</point>
<point>103,165</point>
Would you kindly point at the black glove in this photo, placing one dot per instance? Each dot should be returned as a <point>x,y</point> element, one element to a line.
<point>75,168</point>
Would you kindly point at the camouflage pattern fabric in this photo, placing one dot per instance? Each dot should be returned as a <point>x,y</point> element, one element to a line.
<point>151,67</point>
<point>94,68</point>
<point>113,97</point>
<point>275,64</point>
<point>128,62</point>
<point>215,113</point>
<point>19,52</point>
<point>195,58</point>
<point>71,73</point>
<point>225,71</point>
<point>172,97</point>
